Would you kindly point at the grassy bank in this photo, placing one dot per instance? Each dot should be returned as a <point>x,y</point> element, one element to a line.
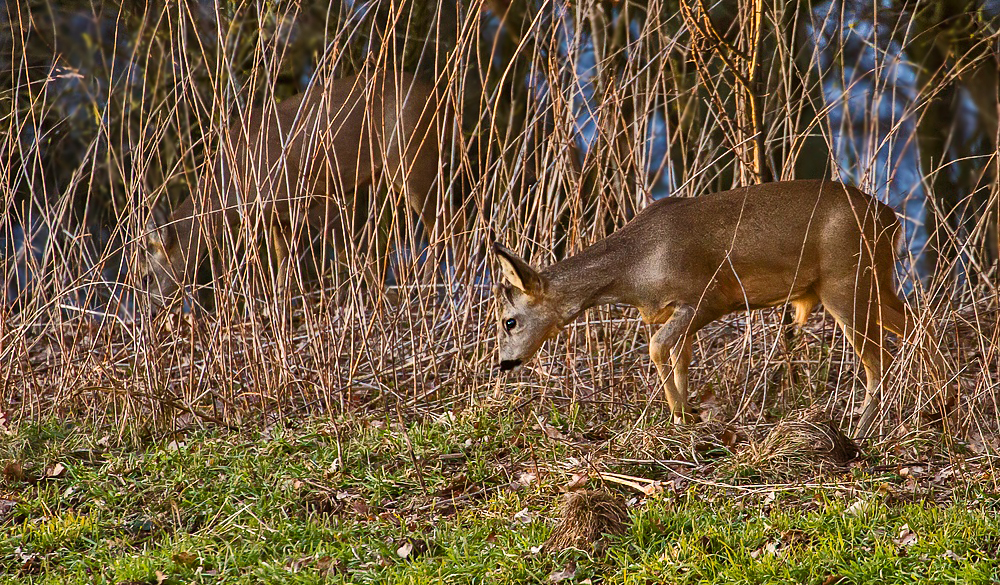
<point>471,497</point>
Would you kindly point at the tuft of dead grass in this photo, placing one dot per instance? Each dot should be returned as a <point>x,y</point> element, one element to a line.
<point>587,516</point>
<point>805,443</point>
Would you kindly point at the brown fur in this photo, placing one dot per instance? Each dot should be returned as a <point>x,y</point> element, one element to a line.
<point>687,262</point>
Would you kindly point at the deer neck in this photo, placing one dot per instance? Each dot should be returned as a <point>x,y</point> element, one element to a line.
<point>588,279</point>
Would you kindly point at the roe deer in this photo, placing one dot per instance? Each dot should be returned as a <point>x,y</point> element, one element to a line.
<point>279,168</point>
<point>685,262</point>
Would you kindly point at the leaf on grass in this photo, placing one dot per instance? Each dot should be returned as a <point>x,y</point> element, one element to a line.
<point>567,572</point>
<point>361,508</point>
<point>160,577</point>
<point>906,536</point>
<point>523,516</point>
<point>405,550</point>
<point>56,471</point>
<point>326,566</point>
<point>951,556</point>
<point>458,485</point>
<point>14,471</point>
<point>780,546</point>
<point>6,508</point>
<point>30,561</point>
<point>322,503</point>
<point>523,480</point>
<point>833,579</point>
<point>491,537</point>
<point>446,419</point>
<point>653,488</point>
<point>578,482</point>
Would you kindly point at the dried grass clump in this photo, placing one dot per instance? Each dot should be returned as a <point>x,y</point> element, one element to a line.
<point>587,516</point>
<point>806,443</point>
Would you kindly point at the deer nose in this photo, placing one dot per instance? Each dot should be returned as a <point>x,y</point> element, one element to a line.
<point>508,365</point>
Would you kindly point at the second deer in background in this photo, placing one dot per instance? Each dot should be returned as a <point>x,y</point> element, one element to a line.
<point>290,164</point>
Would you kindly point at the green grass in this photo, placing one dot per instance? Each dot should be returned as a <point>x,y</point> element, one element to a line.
<point>335,502</point>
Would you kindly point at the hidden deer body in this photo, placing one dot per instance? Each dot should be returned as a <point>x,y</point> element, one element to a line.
<point>289,166</point>
<point>685,262</point>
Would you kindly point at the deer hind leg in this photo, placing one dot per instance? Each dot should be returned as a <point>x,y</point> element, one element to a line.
<point>859,318</point>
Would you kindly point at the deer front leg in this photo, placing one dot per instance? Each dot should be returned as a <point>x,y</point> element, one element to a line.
<point>680,357</point>
<point>660,349</point>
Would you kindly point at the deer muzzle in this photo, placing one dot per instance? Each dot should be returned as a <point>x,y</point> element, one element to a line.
<point>508,365</point>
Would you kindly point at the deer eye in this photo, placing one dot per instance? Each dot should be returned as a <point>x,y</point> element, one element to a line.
<point>509,325</point>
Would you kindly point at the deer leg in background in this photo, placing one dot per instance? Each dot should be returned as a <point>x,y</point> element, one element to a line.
<point>284,287</point>
<point>790,335</point>
<point>897,317</point>
<point>435,234</point>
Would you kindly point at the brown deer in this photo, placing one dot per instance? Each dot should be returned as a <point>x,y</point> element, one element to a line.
<point>291,165</point>
<point>685,262</point>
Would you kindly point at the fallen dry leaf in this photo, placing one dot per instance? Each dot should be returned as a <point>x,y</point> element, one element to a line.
<point>523,480</point>
<point>653,488</point>
<point>578,482</point>
<point>330,566</point>
<point>523,516</point>
<point>728,438</point>
<point>6,508</point>
<point>405,550</point>
<point>361,508</point>
<point>856,508</point>
<point>14,471</point>
<point>567,572</point>
<point>906,536</point>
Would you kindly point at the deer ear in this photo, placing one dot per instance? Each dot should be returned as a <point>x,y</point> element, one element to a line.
<point>518,273</point>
